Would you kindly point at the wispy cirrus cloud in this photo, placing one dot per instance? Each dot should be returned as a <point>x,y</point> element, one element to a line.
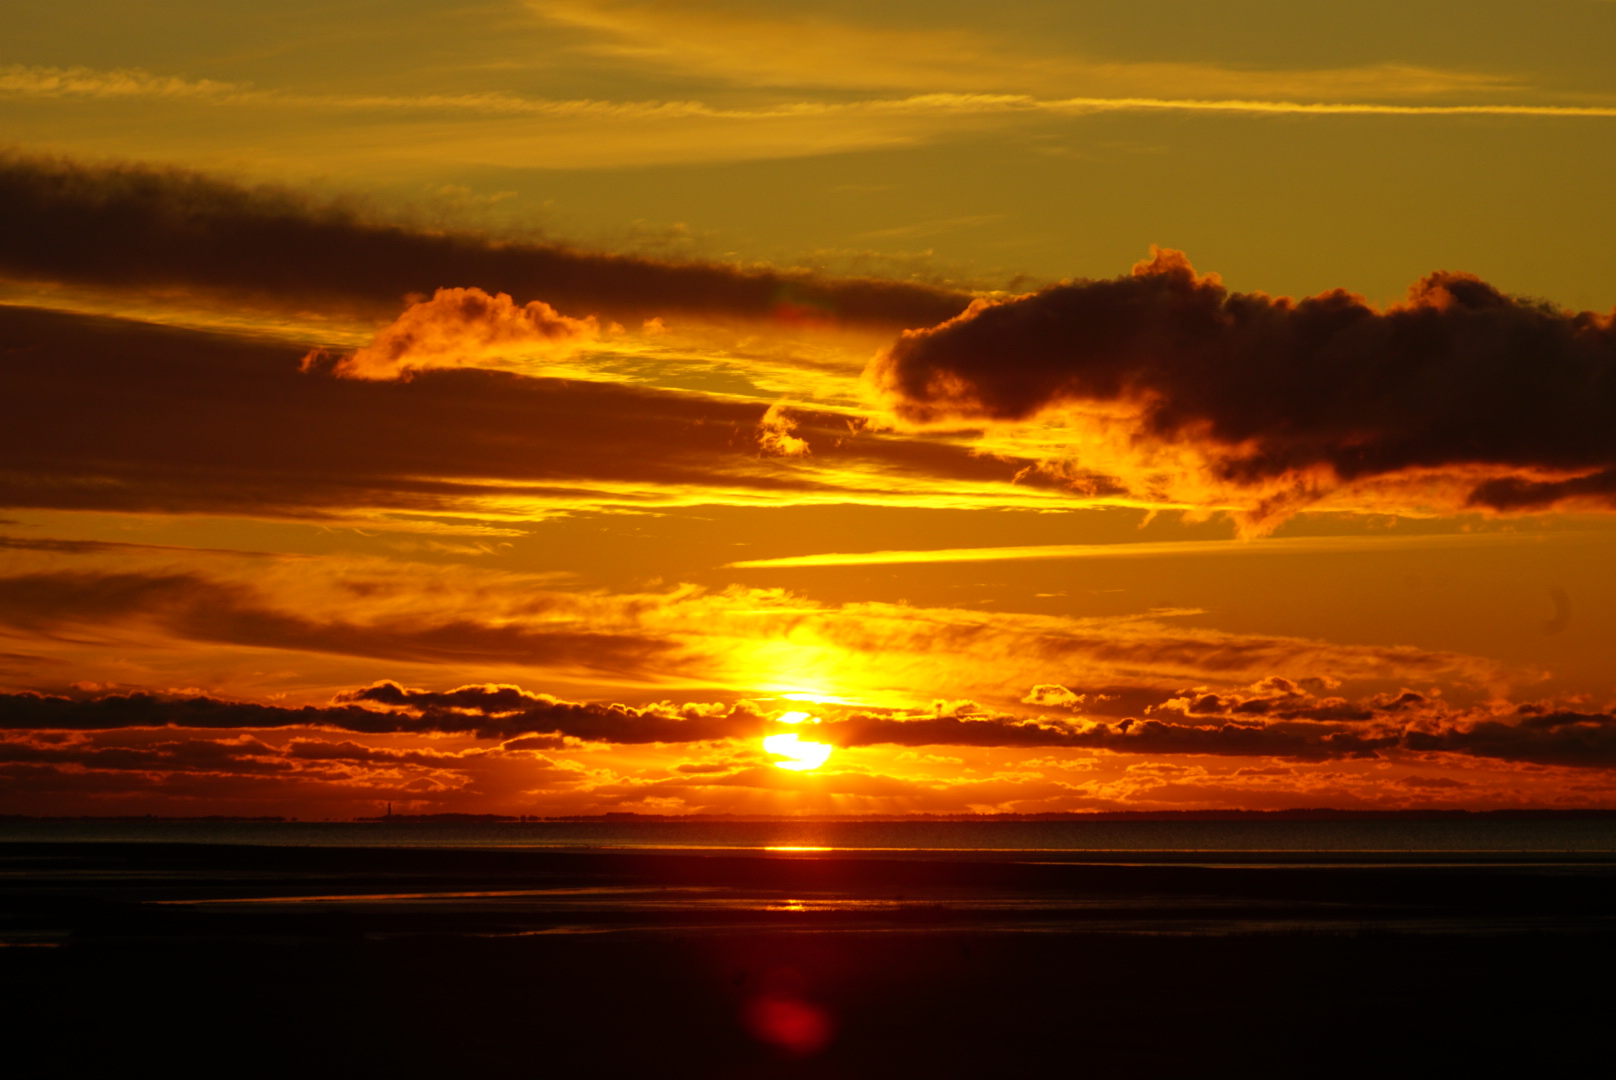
<point>1382,90</point>
<point>1299,545</point>
<point>753,47</point>
<point>353,615</point>
<point>412,133</point>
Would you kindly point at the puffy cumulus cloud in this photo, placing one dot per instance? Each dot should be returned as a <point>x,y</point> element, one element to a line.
<point>776,434</point>
<point>1286,699</point>
<point>460,328</point>
<point>1461,396</point>
<point>1052,696</point>
<point>144,227</point>
<point>504,711</point>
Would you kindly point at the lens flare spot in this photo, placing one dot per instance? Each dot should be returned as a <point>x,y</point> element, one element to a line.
<point>799,755</point>
<point>788,1022</point>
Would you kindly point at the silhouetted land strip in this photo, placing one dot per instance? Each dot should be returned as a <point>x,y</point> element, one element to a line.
<point>1303,814</point>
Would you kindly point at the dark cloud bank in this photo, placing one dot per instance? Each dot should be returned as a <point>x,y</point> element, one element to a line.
<point>1508,399</point>
<point>1460,378</point>
<point>1277,719</point>
<point>135,226</point>
<point>193,607</point>
<point>110,414</point>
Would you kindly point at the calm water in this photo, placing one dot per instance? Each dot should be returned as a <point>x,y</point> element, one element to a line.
<point>914,838</point>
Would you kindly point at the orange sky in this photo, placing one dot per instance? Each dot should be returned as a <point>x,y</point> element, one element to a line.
<point>335,474</point>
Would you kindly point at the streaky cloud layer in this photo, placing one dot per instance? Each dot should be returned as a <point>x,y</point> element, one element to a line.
<point>1135,550</point>
<point>119,415</point>
<point>144,227</point>
<point>1275,718</point>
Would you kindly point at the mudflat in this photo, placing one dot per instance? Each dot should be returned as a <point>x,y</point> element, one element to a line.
<point>402,961</point>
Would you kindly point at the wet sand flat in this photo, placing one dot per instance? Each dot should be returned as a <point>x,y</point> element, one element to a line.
<point>399,961</point>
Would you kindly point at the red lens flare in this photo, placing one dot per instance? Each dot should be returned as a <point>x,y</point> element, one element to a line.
<point>789,1023</point>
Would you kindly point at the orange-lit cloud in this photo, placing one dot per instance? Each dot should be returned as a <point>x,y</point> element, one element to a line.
<point>1157,390</point>
<point>101,606</point>
<point>1460,397</point>
<point>1140,550</point>
<point>1275,719</point>
<point>776,434</point>
<point>464,749</point>
<point>283,442</point>
<point>461,328</point>
<point>754,47</point>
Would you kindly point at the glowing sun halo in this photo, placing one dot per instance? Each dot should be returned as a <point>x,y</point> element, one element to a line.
<point>799,756</point>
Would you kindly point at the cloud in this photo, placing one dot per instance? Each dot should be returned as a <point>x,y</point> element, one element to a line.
<point>103,609</point>
<point>1562,612</point>
<point>1580,740</point>
<point>1459,397</point>
<point>461,328</point>
<point>487,712</point>
<point>1296,727</point>
<point>31,81</point>
<point>101,770</point>
<point>1293,726</point>
<point>191,607</point>
<point>510,711</point>
<point>144,227</point>
<point>183,421</point>
<point>1052,696</point>
<point>1299,741</point>
<point>1146,549</point>
<point>241,756</point>
<point>749,46</point>
<point>775,434</point>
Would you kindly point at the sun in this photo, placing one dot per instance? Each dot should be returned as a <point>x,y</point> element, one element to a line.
<point>800,756</point>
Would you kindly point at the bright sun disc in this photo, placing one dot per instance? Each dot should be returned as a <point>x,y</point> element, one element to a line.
<point>800,756</point>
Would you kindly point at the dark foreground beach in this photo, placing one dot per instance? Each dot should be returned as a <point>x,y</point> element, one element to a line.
<point>391,959</point>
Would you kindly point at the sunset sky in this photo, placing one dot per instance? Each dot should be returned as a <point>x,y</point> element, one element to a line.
<point>530,407</point>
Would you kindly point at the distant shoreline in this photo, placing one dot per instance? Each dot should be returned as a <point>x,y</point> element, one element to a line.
<point>1310,814</point>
